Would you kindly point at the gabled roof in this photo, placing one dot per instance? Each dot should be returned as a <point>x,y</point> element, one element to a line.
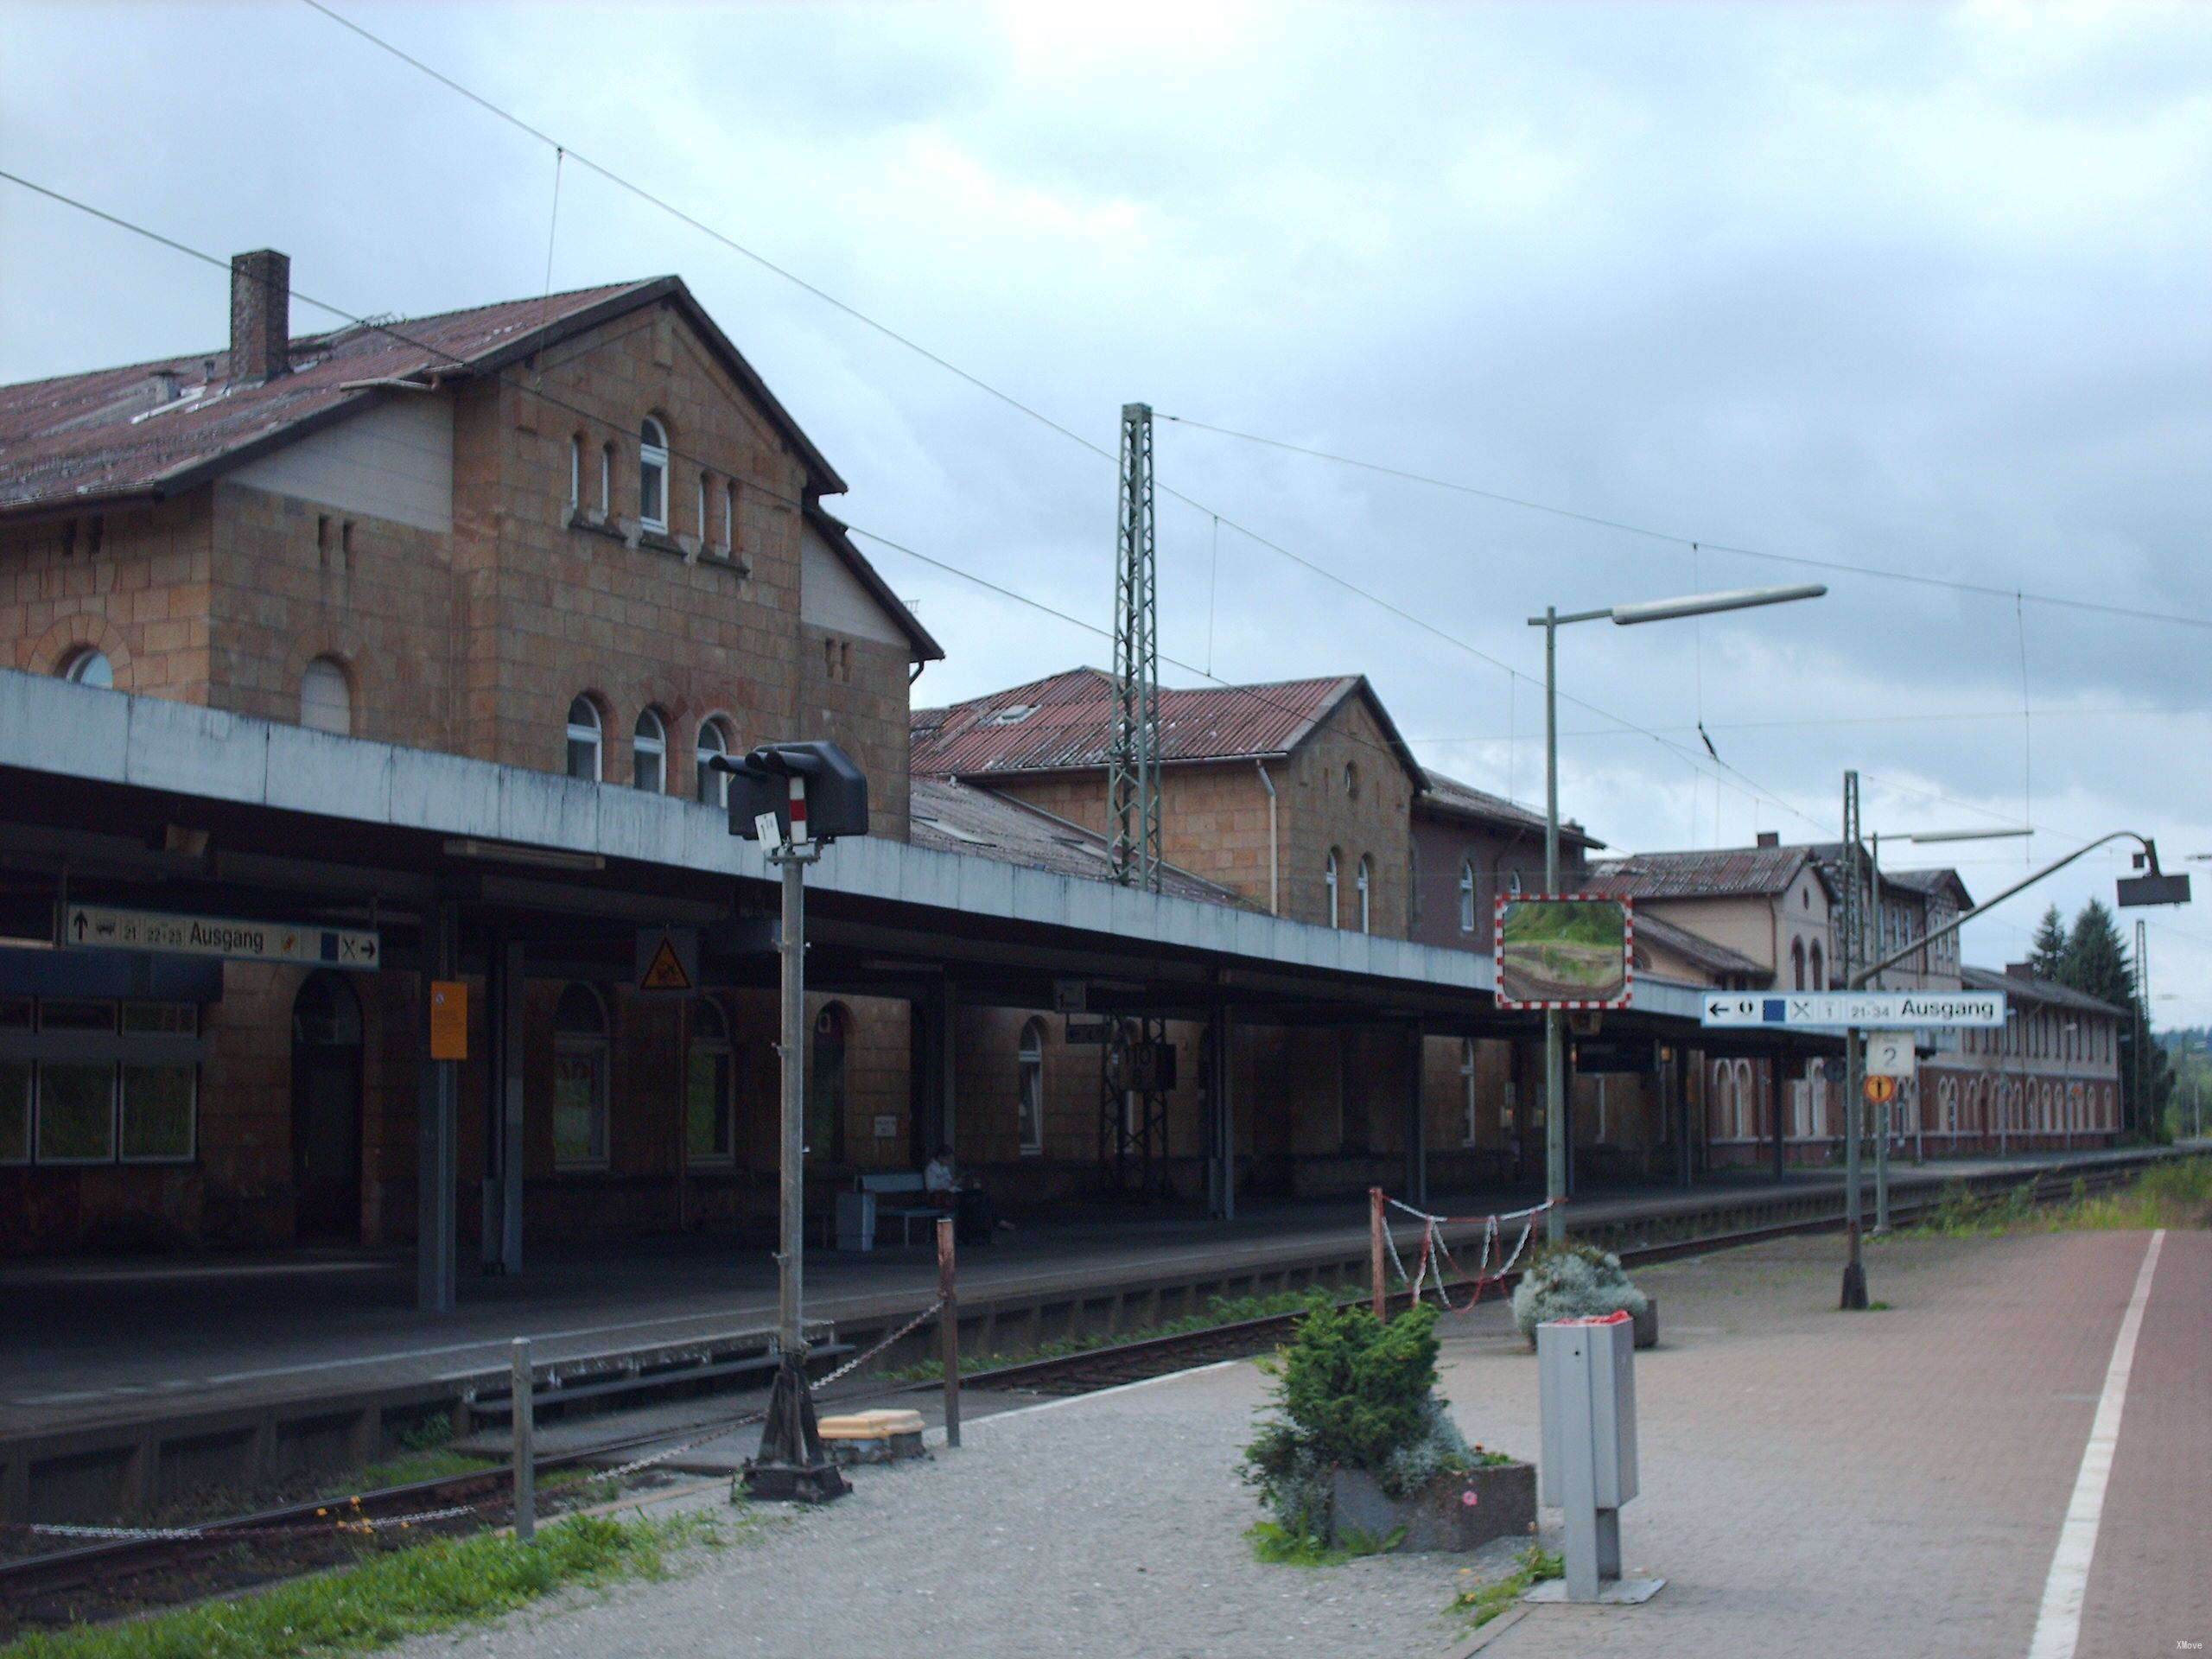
<point>1715,958</point>
<point>1064,723</point>
<point>1720,872</point>
<point>1449,798</point>
<point>832,531</point>
<point>1930,883</point>
<point>104,438</point>
<point>2033,990</point>
<point>956,817</point>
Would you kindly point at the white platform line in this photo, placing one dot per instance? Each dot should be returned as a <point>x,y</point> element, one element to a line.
<point>2058,1626</point>
<point>970,1425</point>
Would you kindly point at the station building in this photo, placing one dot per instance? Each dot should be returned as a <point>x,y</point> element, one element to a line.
<point>578,535</point>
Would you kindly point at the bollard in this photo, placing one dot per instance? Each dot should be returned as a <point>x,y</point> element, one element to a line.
<point>948,1329</point>
<point>1586,1381</point>
<point>526,1453</point>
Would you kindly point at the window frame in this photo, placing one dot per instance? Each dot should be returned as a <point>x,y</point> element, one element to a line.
<point>649,746</point>
<point>1467,895</point>
<point>716,1044</point>
<point>77,666</point>
<point>1029,1090</point>
<point>1329,886</point>
<point>652,460</point>
<point>594,734</point>
<point>704,779</point>
<point>575,471</point>
<point>1363,885</point>
<point>190,1152</point>
<point>595,1048</point>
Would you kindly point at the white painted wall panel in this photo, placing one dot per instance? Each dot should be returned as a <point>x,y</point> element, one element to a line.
<point>393,460</point>
<point>830,596</point>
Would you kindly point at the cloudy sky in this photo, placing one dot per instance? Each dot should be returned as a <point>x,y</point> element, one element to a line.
<point>1916,290</point>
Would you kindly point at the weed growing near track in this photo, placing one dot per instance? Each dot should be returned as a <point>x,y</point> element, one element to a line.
<point>1483,1605</point>
<point>2177,1195</point>
<point>429,1586</point>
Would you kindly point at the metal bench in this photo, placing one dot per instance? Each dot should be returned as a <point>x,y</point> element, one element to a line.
<point>873,1187</point>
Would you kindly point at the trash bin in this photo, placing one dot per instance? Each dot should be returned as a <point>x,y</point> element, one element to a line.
<point>1586,1378</point>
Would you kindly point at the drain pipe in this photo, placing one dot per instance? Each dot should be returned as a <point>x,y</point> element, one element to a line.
<point>1274,861</point>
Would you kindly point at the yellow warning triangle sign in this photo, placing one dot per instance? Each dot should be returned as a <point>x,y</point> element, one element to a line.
<point>665,971</point>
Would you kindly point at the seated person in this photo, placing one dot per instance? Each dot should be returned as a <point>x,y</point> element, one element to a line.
<point>975,1217</point>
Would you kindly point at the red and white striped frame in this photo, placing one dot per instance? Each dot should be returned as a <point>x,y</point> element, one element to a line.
<point>1628,947</point>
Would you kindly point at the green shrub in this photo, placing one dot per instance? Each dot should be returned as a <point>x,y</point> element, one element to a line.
<point>1351,1392</point>
<point>1573,1280</point>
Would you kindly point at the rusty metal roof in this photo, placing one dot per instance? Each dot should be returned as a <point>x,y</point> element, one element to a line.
<point>1720,872</point>
<point>150,429</point>
<point>956,817</point>
<point>1455,800</point>
<point>1064,723</point>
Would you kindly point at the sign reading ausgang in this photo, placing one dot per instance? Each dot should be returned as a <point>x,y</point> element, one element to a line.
<point>219,935</point>
<point>1833,1010</point>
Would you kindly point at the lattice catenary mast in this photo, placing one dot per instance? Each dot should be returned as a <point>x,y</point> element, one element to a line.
<point>1132,767</point>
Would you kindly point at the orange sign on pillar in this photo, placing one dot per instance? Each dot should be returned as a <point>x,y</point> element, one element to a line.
<point>448,1019</point>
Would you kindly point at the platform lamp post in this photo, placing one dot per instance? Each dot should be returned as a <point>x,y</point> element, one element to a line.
<point>1874,871</point>
<point>794,799</point>
<point>1658,610</point>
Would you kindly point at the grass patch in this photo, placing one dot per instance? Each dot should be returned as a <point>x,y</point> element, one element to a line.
<point>1481,1605</point>
<point>1278,1546</point>
<point>2176,1194</point>
<point>1877,1307</point>
<point>425,1587</point>
<point>1220,1311</point>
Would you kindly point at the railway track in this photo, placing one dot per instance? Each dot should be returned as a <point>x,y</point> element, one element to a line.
<point>190,1562</point>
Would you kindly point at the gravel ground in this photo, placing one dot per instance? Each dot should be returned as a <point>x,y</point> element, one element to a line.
<point>1106,1525</point>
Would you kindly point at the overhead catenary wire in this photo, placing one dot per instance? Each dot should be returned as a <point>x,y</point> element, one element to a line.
<point>1841,567</point>
<point>600,418</point>
<point>974,380</point>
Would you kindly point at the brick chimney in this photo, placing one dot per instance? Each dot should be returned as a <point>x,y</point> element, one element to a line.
<point>261,316</point>
<point>1769,837</point>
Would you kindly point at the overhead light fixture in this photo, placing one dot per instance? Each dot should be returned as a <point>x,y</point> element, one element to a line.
<point>512,852</point>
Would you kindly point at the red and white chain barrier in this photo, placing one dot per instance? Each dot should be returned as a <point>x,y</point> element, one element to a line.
<point>1436,1254</point>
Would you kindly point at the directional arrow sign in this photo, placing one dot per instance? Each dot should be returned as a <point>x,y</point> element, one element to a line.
<point>103,928</point>
<point>1834,1010</point>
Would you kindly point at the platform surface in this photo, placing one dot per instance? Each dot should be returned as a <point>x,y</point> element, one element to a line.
<point>91,1340</point>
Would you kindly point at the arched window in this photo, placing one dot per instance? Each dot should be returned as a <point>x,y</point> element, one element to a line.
<point>325,699</point>
<point>1364,879</point>
<point>1797,965</point>
<point>652,474</point>
<point>1029,1104</point>
<point>1467,1092</point>
<point>583,740</point>
<point>580,1079</point>
<point>86,667</point>
<point>702,518</point>
<point>825,1093</point>
<point>575,471</point>
<point>1351,781</point>
<point>649,753</point>
<point>1818,971</point>
<point>1329,887</point>
<point>730,515</point>
<point>1467,896</point>
<point>714,740</point>
<point>606,479</point>
<point>710,1082</point>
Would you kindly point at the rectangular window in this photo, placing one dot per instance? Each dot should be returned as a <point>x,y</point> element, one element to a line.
<point>76,1112</point>
<point>158,1114</point>
<point>580,1108</point>
<point>707,1106</point>
<point>1030,1111</point>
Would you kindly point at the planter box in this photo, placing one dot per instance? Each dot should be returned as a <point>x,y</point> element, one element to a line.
<point>1453,1512</point>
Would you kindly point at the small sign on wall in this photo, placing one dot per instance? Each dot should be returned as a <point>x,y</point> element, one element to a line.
<point>448,1019</point>
<point>887,1127</point>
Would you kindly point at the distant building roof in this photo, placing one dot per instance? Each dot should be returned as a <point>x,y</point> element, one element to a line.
<point>1715,958</point>
<point>2028,986</point>
<point>956,817</point>
<point>149,430</point>
<point>1931,882</point>
<point>1450,797</point>
<point>1720,872</point>
<point>1064,723</point>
